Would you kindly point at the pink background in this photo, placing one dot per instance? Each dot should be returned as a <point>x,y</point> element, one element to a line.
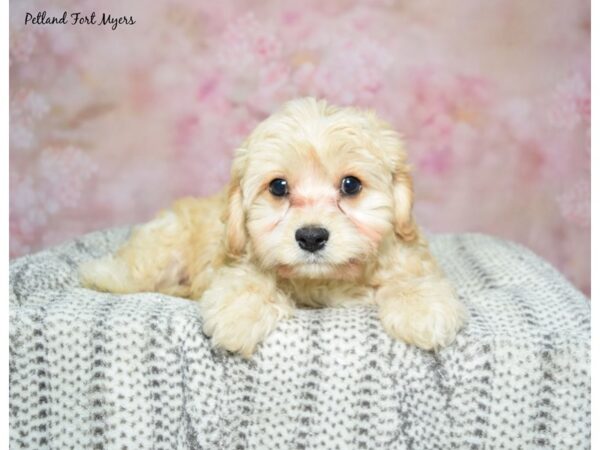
<point>493,97</point>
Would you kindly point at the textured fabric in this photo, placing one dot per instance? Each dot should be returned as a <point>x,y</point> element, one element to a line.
<point>94,370</point>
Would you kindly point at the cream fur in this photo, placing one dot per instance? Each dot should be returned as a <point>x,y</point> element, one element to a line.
<point>237,253</point>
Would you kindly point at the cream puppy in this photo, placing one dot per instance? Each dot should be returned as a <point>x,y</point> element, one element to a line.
<point>317,214</point>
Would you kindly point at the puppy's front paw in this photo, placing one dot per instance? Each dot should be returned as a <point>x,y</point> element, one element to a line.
<point>238,321</point>
<point>428,315</point>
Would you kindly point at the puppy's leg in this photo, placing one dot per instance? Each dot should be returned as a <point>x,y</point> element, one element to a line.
<point>241,307</point>
<point>424,311</point>
<point>153,259</point>
<point>420,308</point>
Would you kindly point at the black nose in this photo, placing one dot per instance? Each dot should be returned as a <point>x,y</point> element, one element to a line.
<point>312,238</point>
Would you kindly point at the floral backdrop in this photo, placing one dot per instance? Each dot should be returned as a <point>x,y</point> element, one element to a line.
<point>493,98</point>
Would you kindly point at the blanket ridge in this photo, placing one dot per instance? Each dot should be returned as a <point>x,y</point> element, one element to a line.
<point>97,370</point>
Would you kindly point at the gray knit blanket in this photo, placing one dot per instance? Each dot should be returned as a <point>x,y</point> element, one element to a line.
<point>90,370</point>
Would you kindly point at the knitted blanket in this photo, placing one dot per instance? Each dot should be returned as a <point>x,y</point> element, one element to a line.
<point>91,370</point>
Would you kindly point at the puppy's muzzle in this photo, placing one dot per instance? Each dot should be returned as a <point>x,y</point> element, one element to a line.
<point>312,238</point>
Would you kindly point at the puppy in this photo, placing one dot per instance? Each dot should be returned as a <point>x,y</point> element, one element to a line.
<point>317,214</point>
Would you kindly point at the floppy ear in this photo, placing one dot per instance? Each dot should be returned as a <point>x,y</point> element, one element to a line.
<point>393,147</point>
<point>234,216</point>
<point>404,225</point>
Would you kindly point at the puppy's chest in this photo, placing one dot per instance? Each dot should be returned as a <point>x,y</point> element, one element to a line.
<point>322,294</point>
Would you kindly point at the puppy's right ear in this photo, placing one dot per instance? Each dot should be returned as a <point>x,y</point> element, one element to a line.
<point>234,216</point>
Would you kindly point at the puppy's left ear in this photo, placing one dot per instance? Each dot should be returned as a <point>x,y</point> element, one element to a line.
<point>395,154</point>
<point>404,224</point>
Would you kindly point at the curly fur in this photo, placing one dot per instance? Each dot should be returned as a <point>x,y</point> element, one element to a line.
<point>237,253</point>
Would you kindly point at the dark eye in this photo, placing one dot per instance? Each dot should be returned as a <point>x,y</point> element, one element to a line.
<point>350,186</point>
<point>278,187</point>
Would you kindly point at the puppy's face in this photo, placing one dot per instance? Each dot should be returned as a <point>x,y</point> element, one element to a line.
<point>318,189</point>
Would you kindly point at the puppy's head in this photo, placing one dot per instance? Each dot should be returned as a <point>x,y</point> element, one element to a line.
<point>315,189</point>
